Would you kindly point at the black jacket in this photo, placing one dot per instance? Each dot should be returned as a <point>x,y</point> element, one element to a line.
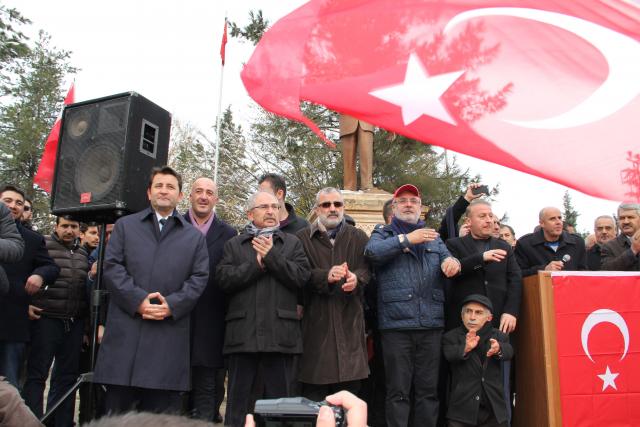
<point>262,314</point>
<point>501,281</point>
<point>533,255</point>
<point>293,223</point>
<point>617,255</point>
<point>473,372</point>
<point>67,296</point>
<point>207,318</point>
<point>594,258</point>
<point>14,319</point>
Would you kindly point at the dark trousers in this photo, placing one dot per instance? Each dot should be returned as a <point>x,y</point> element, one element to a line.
<point>11,360</point>
<point>120,399</point>
<point>491,422</point>
<point>412,357</point>
<point>207,389</point>
<point>373,390</point>
<point>318,392</point>
<point>277,375</point>
<point>58,339</point>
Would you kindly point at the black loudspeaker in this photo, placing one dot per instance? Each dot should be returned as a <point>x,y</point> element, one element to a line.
<point>106,150</point>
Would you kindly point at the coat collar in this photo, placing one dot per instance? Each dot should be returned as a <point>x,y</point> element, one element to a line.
<point>215,229</point>
<point>537,238</point>
<point>150,213</point>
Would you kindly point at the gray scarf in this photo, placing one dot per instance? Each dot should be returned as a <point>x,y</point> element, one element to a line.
<point>255,231</point>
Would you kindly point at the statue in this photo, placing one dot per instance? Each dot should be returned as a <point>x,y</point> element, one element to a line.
<point>356,135</point>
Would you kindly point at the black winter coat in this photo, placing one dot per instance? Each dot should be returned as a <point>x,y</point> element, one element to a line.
<point>262,314</point>
<point>14,319</point>
<point>207,318</point>
<point>471,373</point>
<point>501,281</point>
<point>67,296</point>
<point>617,255</point>
<point>533,255</point>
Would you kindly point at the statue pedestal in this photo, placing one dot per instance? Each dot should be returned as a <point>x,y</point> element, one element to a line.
<point>365,208</point>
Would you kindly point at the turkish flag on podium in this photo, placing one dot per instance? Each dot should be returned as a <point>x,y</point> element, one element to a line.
<point>598,339</point>
<point>550,88</point>
<point>44,175</point>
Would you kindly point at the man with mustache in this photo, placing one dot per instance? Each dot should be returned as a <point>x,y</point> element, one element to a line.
<point>604,230</point>
<point>410,263</point>
<point>261,271</point>
<point>622,253</point>
<point>475,351</point>
<point>335,354</point>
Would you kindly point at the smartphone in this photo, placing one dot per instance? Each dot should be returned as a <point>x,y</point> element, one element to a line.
<point>482,189</point>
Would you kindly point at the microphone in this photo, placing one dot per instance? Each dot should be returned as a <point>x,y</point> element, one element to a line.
<point>566,258</point>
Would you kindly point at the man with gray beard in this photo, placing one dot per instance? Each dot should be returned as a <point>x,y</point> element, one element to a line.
<point>333,334</point>
<point>410,263</point>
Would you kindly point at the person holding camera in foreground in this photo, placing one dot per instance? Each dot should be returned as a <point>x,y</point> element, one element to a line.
<point>474,352</point>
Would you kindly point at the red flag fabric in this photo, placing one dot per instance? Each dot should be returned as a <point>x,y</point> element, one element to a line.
<point>546,87</point>
<point>598,337</point>
<point>44,176</point>
<point>223,45</point>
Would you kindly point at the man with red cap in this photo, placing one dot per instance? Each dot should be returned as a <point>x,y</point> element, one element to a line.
<point>410,264</point>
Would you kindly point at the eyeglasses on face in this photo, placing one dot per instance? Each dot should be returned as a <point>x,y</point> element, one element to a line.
<point>264,207</point>
<point>327,205</point>
<point>405,200</point>
<point>27,208</point>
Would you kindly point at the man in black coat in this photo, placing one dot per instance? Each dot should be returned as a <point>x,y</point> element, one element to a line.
<point>207,318</point>
<point>604,229</point>
<point>623,252</point>
<point>35,269</point>
<point>475,351</point>
<point>261,272</point>
<point>489,268</point>
<point>551,248</point>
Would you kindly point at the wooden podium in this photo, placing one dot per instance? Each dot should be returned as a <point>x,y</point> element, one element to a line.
<point>537,381</point>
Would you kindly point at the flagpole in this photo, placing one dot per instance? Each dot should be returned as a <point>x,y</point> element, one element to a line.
<point>218,117</point>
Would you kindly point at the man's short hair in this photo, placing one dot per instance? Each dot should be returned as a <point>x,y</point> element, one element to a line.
<point>476,202</point>
<point>28,200</point>
<point>327,190</point>
<point>615,224</point>
<point>276,181</point>
<point>165,170</point>
<point>251,201</point>
<point>387,211</point>
<point>625,206</point>
<point>84,226</point>
<point>68,218</point>
<point>544,210</point>
<point>11,187</point>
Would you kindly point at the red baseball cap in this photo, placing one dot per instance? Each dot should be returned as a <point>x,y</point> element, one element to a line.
<point>407,188</point>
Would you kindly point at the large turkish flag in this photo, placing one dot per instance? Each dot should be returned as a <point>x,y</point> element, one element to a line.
<point>598,338</point>
<point>546,87</point>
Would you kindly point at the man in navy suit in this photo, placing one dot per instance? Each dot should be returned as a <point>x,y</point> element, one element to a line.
<point>207,318</point>
<point>34,270</point>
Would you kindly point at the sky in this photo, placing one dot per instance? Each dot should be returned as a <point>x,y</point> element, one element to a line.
<point>169,53</point>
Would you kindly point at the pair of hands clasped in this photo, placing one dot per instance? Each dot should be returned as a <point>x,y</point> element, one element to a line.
<point>339,272</point>
<point>150,311</point>
<point>262,245</point>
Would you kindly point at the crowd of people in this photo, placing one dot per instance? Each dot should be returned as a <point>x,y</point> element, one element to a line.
<point>413,320</point>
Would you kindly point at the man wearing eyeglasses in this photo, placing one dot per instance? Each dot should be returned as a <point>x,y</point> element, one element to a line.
<point>410,262</point>
<point>27,213</point>
<point>335,354</point>
<point>261,271</point>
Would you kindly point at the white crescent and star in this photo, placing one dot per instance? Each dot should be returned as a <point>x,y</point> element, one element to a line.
<point>419,94</point>
<point>604,315</point>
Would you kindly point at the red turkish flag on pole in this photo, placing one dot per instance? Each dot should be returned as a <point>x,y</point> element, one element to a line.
<point>44,176</point>
<point>545,87</point>
<point>223,45</point>
<point>598,337</point>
